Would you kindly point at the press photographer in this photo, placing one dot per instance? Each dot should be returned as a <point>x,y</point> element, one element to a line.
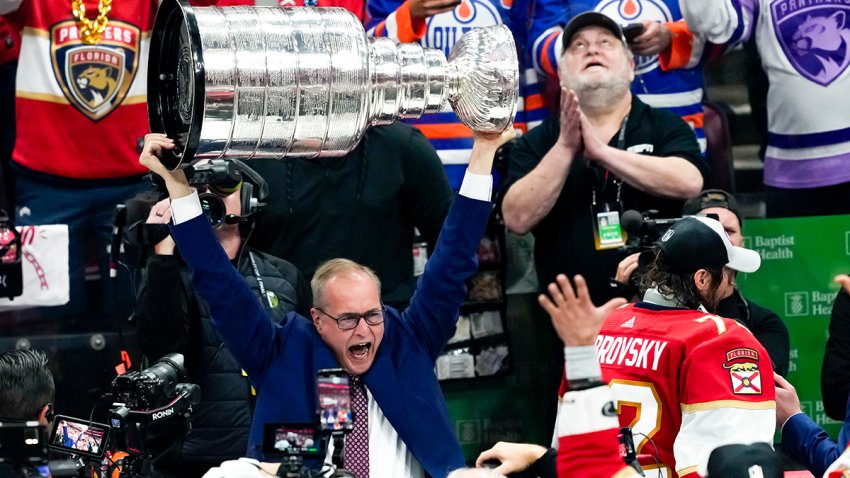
<point>172,317</point>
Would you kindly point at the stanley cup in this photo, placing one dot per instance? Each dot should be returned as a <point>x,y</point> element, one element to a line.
<point>267,82</point>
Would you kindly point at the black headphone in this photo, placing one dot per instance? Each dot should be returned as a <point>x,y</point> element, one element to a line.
<point>254,192</point>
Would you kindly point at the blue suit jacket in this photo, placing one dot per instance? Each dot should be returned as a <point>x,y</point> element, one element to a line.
<point>282,360</point>
<point>808,443</point>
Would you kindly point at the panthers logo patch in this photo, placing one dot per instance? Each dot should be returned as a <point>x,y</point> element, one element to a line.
<point>815,38</point>
<point>744,373</point>
<point>95,79</point>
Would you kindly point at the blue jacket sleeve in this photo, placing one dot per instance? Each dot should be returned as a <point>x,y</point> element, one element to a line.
<point>237,313</point>
<point>433,311</point>
<point>806,442</point>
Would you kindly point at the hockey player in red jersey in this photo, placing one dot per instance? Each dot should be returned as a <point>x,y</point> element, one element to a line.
<point>685,381</point>
<point>587,431</point>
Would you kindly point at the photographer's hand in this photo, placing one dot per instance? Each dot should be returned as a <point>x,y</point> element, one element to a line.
<point>175,181</point>
<point>626,268</point>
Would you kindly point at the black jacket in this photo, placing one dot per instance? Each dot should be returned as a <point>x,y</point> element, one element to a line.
<point>768,327</point>
<point>172,318</point>
<point>835,373</point>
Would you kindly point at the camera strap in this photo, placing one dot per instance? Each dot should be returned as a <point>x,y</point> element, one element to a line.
<point>260,283</point>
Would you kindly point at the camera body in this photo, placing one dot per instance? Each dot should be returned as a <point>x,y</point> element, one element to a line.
<point>150,388</point>
<point>139,399</point>
<point>644,229</point>
<point>218,178</point>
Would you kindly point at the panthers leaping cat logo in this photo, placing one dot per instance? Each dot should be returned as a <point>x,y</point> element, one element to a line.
<point>822,44</point>
<point>97,84</point>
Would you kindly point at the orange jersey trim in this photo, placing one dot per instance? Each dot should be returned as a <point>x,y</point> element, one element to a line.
<point>534,102</point>
<point>546,61</point>
<point>409,30</point>
<point>444,131</point>
<point>678,55</point>
<point>695,119</point>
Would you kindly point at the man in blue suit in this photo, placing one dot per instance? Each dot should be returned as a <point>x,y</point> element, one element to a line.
<point>409,430</point>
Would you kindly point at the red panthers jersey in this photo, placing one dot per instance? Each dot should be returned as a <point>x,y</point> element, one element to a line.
<point>81,109</point>
<point>686,382</point>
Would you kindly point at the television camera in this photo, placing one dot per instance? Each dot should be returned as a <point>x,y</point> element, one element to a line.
<point>643,229</point>
<point>139,399</point>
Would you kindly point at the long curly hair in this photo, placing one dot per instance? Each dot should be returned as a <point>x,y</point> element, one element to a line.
<point>657,274</point>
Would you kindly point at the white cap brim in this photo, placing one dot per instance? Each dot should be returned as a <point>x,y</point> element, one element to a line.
<point>740,259</point>
<point>743,260</point>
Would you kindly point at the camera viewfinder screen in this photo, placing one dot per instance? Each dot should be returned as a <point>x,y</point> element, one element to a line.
<point>296,440</point>
<point>78,437</point>
<point>334,402</point>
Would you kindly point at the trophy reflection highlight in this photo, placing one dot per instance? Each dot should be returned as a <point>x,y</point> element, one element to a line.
<point>267,82</point>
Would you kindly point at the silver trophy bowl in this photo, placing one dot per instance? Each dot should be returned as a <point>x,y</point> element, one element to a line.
<point>269,82</point>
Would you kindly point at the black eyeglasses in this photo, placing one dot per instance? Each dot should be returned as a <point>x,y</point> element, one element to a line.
<point>350,321</point>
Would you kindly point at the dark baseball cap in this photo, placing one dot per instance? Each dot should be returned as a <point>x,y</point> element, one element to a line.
<point>711,198</point>
<point>590,19</point>
<point>693,243</point>
<point>744,461</point>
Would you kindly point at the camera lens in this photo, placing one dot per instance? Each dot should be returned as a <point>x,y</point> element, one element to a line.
<point>213,208</point>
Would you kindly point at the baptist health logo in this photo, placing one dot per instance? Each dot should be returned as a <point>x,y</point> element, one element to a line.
<point>796,304</point>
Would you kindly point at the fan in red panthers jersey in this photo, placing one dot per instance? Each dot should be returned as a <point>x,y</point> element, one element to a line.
<point>685,381</point>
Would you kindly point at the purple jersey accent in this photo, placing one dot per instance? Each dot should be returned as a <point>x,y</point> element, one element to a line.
<point>807,173</point>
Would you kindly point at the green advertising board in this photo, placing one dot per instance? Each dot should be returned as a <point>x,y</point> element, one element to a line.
<point>800,256</point>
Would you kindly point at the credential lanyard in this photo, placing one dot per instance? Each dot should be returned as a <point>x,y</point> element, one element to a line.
<point>621,144</point>
<point>257,275</point>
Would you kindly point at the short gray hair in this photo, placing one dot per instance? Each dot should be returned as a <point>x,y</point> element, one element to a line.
<point>334,267</point>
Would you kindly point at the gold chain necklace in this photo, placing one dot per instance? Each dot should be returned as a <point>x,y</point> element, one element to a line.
<point>91,30</point>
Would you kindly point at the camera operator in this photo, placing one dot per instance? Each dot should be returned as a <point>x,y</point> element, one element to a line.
<point>172,317</point>
<point>26,394</point>
<point>768,327</point>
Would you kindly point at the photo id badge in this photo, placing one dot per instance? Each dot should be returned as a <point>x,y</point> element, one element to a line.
<point>607,233</point>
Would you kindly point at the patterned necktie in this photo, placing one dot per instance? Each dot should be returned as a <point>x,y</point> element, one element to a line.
<point>357,442</point>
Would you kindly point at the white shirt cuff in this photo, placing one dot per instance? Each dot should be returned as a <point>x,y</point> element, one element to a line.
<point>186,208</point>
<point>477,186</point>
<point>581,363</point>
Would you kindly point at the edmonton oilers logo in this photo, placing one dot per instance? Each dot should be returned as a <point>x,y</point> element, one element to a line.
<point>635,11</point>
<point>445,29</point>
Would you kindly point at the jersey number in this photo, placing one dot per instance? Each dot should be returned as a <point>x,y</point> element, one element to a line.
<point>643,397</point>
